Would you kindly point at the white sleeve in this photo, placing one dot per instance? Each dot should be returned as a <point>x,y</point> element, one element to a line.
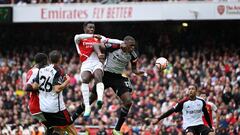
<point>114,41</point>
<point>32,76</point>
<point>103,39</point>
<point>78,37</point>
<point>214,107</point>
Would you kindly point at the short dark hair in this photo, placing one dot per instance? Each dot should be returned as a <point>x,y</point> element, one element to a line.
<point>86,23</point>
<point>194,85</point>
<point>127,38</point>
<point>203,91</point>
<point>55,56</point>
<point>41,59</point>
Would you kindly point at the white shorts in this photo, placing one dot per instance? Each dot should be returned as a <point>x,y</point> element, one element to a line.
<point>91,66</point>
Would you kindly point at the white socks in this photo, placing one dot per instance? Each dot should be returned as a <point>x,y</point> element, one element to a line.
<point>100,90</point>
<point>85,94</point>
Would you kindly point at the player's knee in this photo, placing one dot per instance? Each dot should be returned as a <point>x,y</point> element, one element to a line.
<point>189,133</point>
<point>85,79</point>
<point>98,79</point>
<point>211,133</point>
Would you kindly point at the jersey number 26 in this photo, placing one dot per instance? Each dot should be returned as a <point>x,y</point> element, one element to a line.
<point>45,85</point>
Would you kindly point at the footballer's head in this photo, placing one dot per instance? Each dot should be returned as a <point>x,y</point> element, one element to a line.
<point>192,91</point>
<point>55,57</point>
<point>203,94</point>
<point>130,42</point>
<point>41,59</point>
<point>89,27</point>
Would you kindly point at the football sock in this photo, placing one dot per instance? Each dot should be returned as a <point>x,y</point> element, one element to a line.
<point>123,115</point>
<point>78,112</point>
<point>85,94</point>
<point>100,90</point>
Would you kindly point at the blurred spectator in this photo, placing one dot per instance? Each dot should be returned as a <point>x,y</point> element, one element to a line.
<point>102,130</point>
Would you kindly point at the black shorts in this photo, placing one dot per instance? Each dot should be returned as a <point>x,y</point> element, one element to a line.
<point>117,82</point>
<point>61,118</point>
<point>199,129</point>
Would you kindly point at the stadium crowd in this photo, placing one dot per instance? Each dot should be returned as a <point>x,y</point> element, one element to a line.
<point>212,63</point>
<point>217,73</point>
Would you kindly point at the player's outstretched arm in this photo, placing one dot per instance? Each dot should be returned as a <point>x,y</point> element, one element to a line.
<point>111,41</point>
<point>79,37</point>
<point>164,115</point>
<point>31,87</point>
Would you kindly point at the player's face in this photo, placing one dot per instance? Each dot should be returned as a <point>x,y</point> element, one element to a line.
<point>60,60</point>
<point>130,45</point>
<point>204,96</point>
<point>192,91</point>
<point>89,29</point>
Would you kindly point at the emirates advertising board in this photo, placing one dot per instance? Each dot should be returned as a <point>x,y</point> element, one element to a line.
<point>145,11</point>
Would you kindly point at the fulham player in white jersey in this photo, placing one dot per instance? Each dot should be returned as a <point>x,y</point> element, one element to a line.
<point>50,82</point>
<point>91,67</point>
<point>192,109</point>
<point>33,103</point>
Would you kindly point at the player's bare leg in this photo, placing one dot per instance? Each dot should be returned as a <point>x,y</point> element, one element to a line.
<point>98,74</point>
<point>58,131</point>
<point>86,78</point>
<point>211,133</point>
<point>127,103</point>
<point>189,133</point>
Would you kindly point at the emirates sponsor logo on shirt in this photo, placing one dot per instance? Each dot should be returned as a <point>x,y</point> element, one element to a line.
<point>88,44</point>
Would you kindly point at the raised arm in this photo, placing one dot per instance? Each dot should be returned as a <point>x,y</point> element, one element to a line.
<point>111,41</point>
<point>79,37</point>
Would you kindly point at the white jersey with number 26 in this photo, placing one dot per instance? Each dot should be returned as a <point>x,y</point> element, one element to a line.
<point>50,101</point>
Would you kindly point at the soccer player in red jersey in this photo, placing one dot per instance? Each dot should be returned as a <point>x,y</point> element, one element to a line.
<point>91,66</point>
<point>33,104</point>
<point>211,108</point>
